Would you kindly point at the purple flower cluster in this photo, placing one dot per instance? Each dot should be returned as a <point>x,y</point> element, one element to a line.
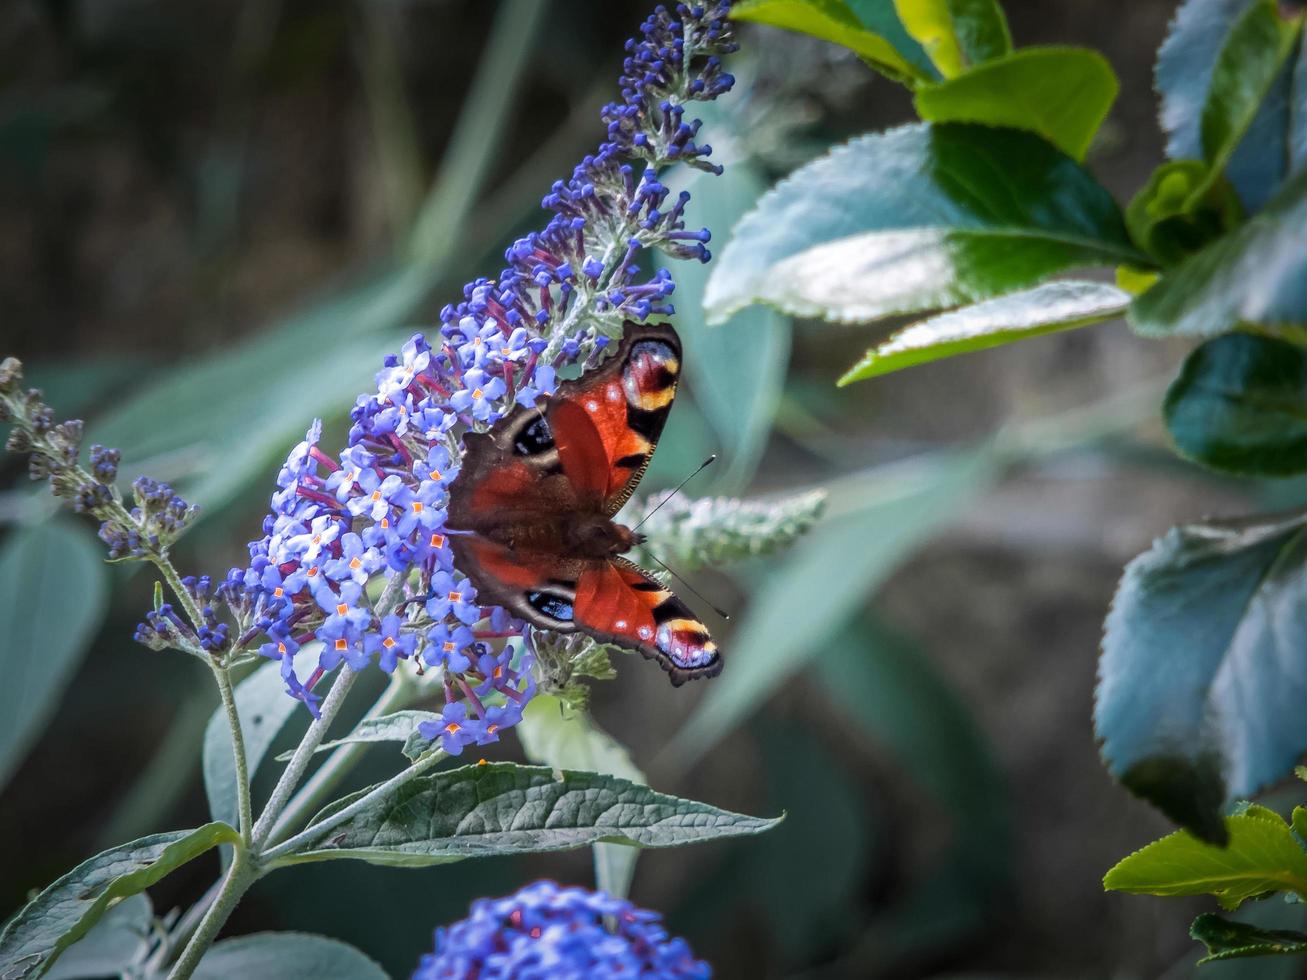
<point>548,931</point>
<point>355,554</point>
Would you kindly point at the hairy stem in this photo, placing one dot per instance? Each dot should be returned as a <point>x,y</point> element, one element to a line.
<point>338,765</point>
<point>243,807</point>
<point>240,876</point>
<point>294,770</point>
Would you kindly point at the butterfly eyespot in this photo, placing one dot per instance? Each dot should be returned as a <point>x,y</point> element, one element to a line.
<point>554,606</point>
<point>535,438</point>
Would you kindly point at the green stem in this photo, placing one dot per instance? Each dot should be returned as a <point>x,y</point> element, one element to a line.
<point>300,841</point>
<point>338,765</point>
<point>240,876</point>
<point>243,806</point>
<point>299,762</point>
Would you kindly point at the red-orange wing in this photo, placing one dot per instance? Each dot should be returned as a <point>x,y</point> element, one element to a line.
<point>606,423</point>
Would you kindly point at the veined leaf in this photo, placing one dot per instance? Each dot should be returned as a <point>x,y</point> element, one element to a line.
<point>398,726</point>
<point>1256,274</point>
<point>503,808</point>
<point>116,942</point>
<point>1062,94</point>
<point>1226,940</point>
<point>65,911</point>
<point>834,21</point>
<point>563,739</point>
<point>52,598</point>
<point>1240,405</point>
<point>1200,688</point>
<point>1048,308</point>
<point>287,956</point>
<point>917,218</point>
<point>1261,856</point>
<point>956,34</point>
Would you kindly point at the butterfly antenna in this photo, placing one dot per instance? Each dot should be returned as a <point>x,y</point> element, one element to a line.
<point>702,467</point>
<point>717,609</point>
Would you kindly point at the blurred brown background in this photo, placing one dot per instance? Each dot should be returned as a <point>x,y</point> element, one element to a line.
<point>176,178</point>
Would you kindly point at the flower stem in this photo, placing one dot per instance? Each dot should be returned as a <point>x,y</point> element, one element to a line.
<point>299,762</point>
<point>243,807</point>
<point>240,876</point>
<point>288,848</point>
<point>338,765</point>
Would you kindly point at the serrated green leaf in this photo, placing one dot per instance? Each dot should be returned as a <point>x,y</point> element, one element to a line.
<point>66,910</point>
<point>1240,405</point>
<point>1198,696</point>
<point>287,956</point>
<point>1251,59</point>
<point>1261,856</point>
<point>398,726</point>
<point>503,808</point>
<point>1256,274</point>
<point>53,593</point>
<point>875,521</point>
<point>1062,94</point>
<point>834,21</point>
<point>264,708</point>
<point>560,738</point>
<point>956,34</point>
<point>917,218</point>
<point>1227,940</point>
<point>1049,308</point>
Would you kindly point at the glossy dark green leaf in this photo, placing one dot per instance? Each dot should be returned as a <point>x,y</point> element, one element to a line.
<point>917,218</point>
<point>956,34</point>
<point>1200,680</point>
<point>1185,67</point>
<point>504,808</point>
<point>561,738</point>
<point>1251,60</point>
<point>118,940</point>
<point>1062,94</point>
<point>1240,405</point>
<point>264,708</point>
<point>1260,855</point>
<point>1256,274</point>
<point>287,956</point>
<point>1227,940</point>
<point>1298,111</point>
<point>52,597</point>
<point>1051,307</point>
<point>874,521</point>
<point>67,910</point>
<point>833,20</point>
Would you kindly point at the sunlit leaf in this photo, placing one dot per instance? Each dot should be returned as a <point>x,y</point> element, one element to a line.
<point>1260,856</point>
<point>1240,405</point>
<point>1063,94</point>
<point>956,34</point>
<point>53,592</point>
<point>917,218</point>
<point>1198,701</point>
<point>1049,308</point>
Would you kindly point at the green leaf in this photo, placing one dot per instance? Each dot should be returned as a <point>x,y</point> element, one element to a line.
<point>563,739</point>
<point>1256,274</point>
<point>117,941</point>
<point>264,707</point>
<point>874,521</point>
<point>52,597</point>
<point>287,956</point>
<point>1226,940</point>
<point>956,34</point>
<point>65,911</point>
<point>1240,405</point>
<point>1172,217</point>
<point>833,20</point>
<point>1255,51</point>
<point>1063,94</point>
<point>1049,308</point>
<point>1198,699</point>
<point>1186,64</point>
<point>917,218</point>
<point>503,808</point>
<point>398,726</point>
<point>1261,856</point>
<point>736,373</point>
<point>237,411</point>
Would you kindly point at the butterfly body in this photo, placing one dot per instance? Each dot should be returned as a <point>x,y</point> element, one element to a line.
<point>537,496</point>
